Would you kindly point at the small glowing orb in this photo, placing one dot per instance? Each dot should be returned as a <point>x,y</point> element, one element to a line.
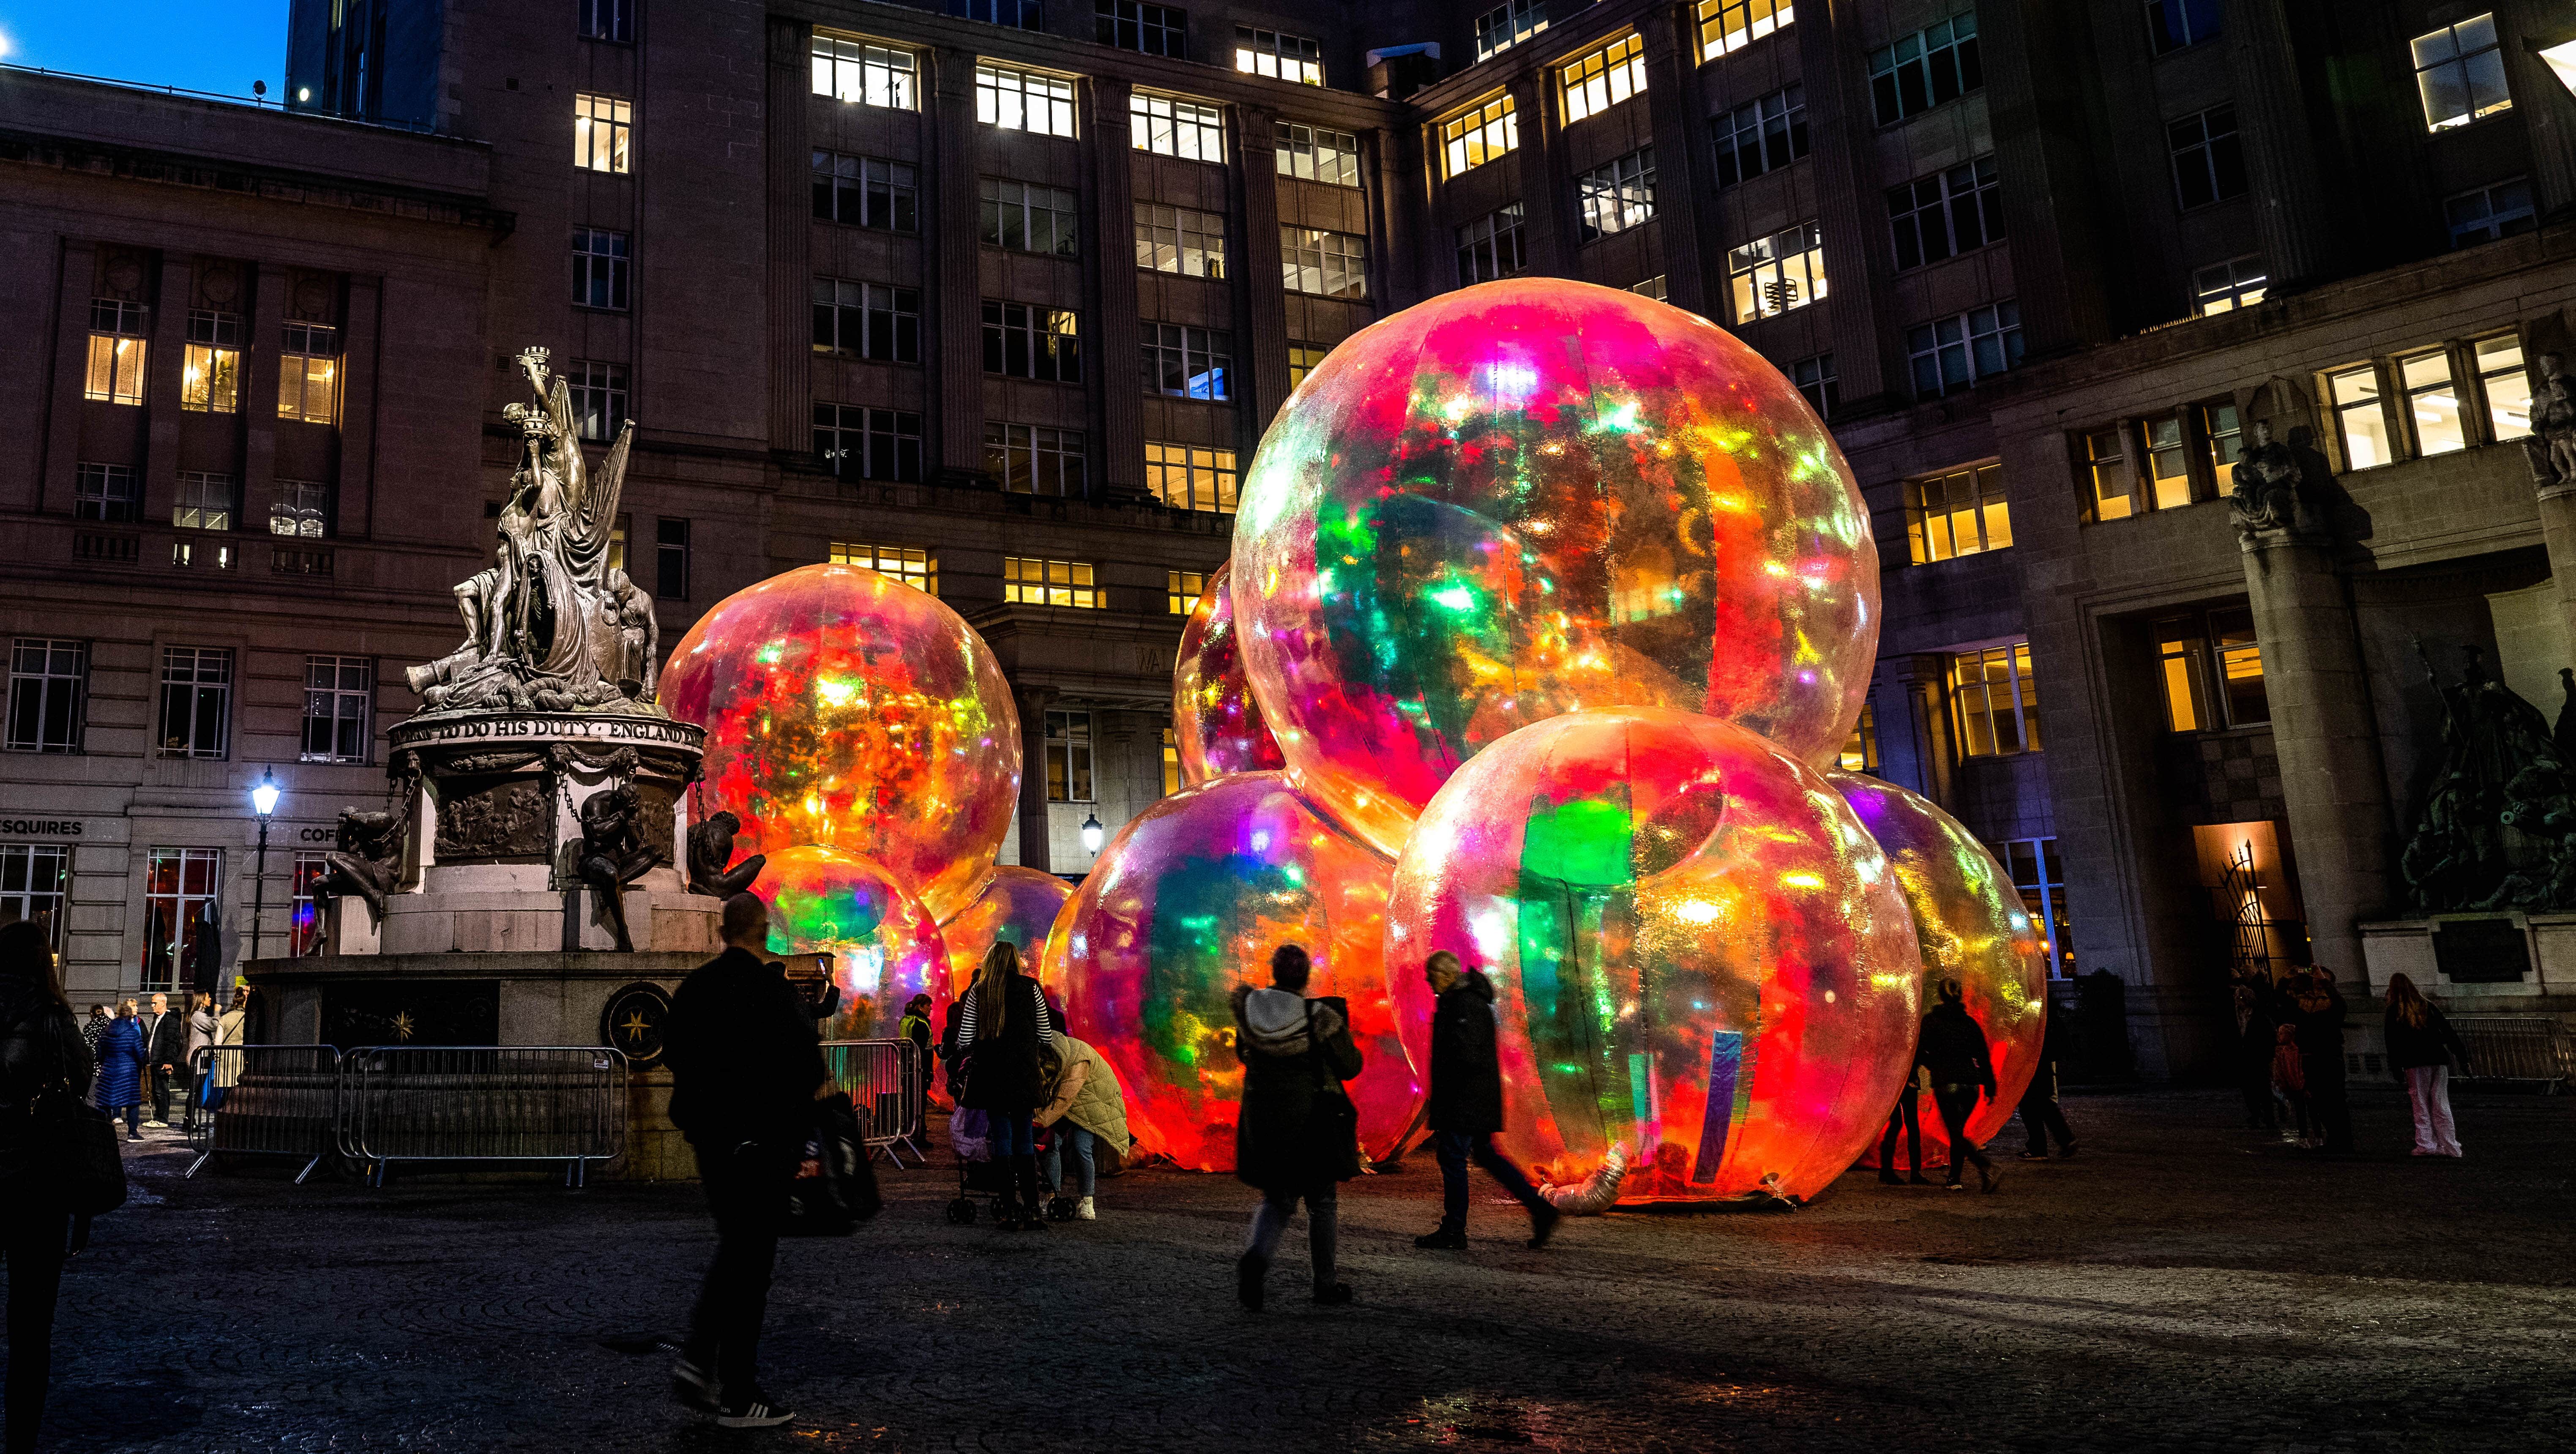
<point>846,709</point>
<point>885,949</point>
<point>1020,905</point>
<point>1697,952</point>
<point>1972,928</point>
<point>1533,497</point>
<point>1216,725</point>
<point>1182,907</point>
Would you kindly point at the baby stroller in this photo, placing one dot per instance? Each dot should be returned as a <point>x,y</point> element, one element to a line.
<point>979,1172</point>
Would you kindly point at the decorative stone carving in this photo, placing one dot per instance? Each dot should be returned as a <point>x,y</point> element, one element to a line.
<point>511,818</point>
<point>613,854</point>
<point>2269,483</point>
<point>365,858</point>
<point>711,850</point>
<point>2552,444</point>
<point>2497,829</point>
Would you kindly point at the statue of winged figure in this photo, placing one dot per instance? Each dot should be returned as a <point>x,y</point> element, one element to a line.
<point>545,626</point>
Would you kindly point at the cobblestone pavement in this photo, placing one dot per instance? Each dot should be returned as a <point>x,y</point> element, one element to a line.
<point>2179,1285</point>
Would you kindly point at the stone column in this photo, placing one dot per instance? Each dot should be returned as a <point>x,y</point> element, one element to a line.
<point>2290,211</point>
<point>1832,53</point>
<point>1923,720</point>
<point>1261,332</point>
<point>1546,232</point>
<point>157,473</point>
<point>1682,177</point>
<point>791,230</point>
<point>2327,739</point>
<point>1033,783</point>
<point>2558,532</point>
<point>1109,354</point>
<point>956,278</point>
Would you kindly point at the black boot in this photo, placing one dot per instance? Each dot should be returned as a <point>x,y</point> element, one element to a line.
<point>1032,1204</point>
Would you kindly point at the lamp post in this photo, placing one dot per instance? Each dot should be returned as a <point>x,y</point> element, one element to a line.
<point>1091,834</point>
<point>263,801</point>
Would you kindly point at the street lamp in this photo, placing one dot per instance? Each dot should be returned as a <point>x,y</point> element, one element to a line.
<point>263,801</point>
<point>1091,834</point>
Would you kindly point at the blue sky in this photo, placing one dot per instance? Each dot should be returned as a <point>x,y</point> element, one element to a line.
<point>203,45</point>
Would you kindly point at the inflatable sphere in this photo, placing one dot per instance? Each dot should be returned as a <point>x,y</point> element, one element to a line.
<point>885,949</point>
<point>1700,959</point>
<point>1020,905</point>
<point>846,709</point>
<point>1216,725</point>
<point>1188,902</point>
<point>1972,927</point>
<point>1532,497</point>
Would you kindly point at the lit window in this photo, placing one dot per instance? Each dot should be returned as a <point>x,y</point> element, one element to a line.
<point>2225,287</point>
<point>1325,264</point>
<point>2487,213</point>
<point>860,443</point>
<point>1656,287</point>
<point>1191,477</point>
<point>1505,26</point>
<point>180,888</point>
<point>308,375</point>
<point>338,691</point>
<point>1731,25</point>
<point>1154,30</point>
<point>1959,513</point>
<point>2433,402</point>
<point>1187,363</point>
<point>301,508</point>
<point>608,20</point>
<point>867,320</point>
<point>1318,154</point>
<point>1604,78</point>
<point>2504,385</point>
<point>1179,240</point>
<point>599,268</point>
<point>2459,71</point>
<point>1860,750</point>
<point>1068,756</point>
<point>2113,489</point>
<point>1169,126</point>
<point>2208,157</point>
<point>872,75</point>
<point>1171,763</point>
<point>866,192</point>
<point>1025,217</point>
<point>1182,590</point>
<point>601,126</point>
<point>1029,341</point>
<point>105,493</point>
<point>1618,196</point>
<point>2168,464</point>
<point>1762,135</point>
<point>304,906</point>
<point>1027,581</point>
<point>914,567</point>
<point>204,501</point>
<point>2173,24</point>
<point>196,701</point>
<point>48,694</point>
<point>1023,100</point>
<point>1948,213</point>
<point>1277,53</point>
<point>1953,353</point>
<point>2359,420</point>
<point>1017,14</point>
<point>2222,436</point>
<point>1926,69</point>
<point>598,398</point>
<point>1303,358</point>
<point>210,376</point>
<point>1490,246</point>
<point>2040,876</point>
<point>1997,706</point>
<point>1815,378</point>
<point>35,876</point>
<point>1774,274</point>
<point>1031,459</point>
<point>2212,671</point>
<point>116,351</point>
<point>1474,137</point>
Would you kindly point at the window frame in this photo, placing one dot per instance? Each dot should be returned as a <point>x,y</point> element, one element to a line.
<point>108,494</point>
<point>24,866</point>
<point>1305,59</point>
<point>1071,756</point>
<point>1048,341</point>
<point>2004,314</point>
<point>2450,55</point>
<point>2194,656</point>
<point>911,565</point>
<point>1943,49</point>
<point>1320,253</point>
<point>2224,287</point>
<point>1208,480</point>
<point>888,319</point>
<point>1753,128</point>
<point>2491,224</point>
<point>1487,239</point>
<point>1156,123</point>
<point>2490,409</point>
<point>612,21</point>
<point>1932,536</point>
<point>603,132</point>
<point>2178,25</point>
<point>349,694</point>
<point>601,279</point>
<point>1513,22</point>
<point>48,703</point>
<point>2206,161</point>
<point>1479,134</point>
<point>1200,361</point>
<point>880,81</point>
<point>1061,206</point>
<point>1182,589</point>
<point>671,551</point>
<point>206,700</point>
<point>2021,694</point>
<point>1748,264</point>
<point>1130,24</point>
<point>196,885</point>
<point>2410,405</point>
<point>885,443</point>
<point>1616,196</point>
<point>1970,193</point>
<point>854,182</point>
<point>1814,377</point>
<point>1728,26</point>
<point>1039,102</point>
<point>1076,581</point>
<point>2341,410</point>
<point>1189,240</point>
<point>1608,75</point>
<point>1046,450</point>
<point>210,374</point>
<point>120,351</point>
<point>317,346</point>
<point>1314,146</point>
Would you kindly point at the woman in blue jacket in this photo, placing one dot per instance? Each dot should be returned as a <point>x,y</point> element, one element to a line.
<point>120,1072</point>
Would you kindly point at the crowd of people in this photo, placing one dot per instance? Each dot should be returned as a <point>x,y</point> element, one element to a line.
<point>149,1050</point>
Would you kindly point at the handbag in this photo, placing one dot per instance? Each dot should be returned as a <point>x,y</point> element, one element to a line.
<point>835,1187</point>
<point>73,1146</point>
<point>1332,1121</point>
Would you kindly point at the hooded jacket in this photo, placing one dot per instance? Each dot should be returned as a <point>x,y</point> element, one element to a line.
<point>1466,1075</point>
<point>1954,1049</point>
<point>1289,1059</point>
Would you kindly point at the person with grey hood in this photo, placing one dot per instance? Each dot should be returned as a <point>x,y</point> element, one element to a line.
<point>1297,1135</point>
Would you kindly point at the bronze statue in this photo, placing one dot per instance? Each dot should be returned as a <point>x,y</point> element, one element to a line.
<point>365,858</point>
<point>2497,827</point>
<point>2552,444</point>
<point>711,849</point>
<point>613,854</point>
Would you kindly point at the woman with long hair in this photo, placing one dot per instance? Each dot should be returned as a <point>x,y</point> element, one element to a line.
<point>41,1053</point>
<point>1006,1040</point>
<point>121,1053</point>
<point>2423,1050</point>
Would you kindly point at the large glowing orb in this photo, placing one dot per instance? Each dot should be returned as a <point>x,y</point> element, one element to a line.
<point>846,709</point>
<point>1020,905</point>
<point>1216,725</point>
<point>1188,902</point>
<point>1698,952</point>
<point>885,949</point>
<point>1971,926</point>
<point>1531,497</point>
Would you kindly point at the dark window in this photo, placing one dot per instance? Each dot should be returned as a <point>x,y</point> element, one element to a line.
<point>2208,159</point>
<point>34,876</point>
<point>1188,363</point>
<point>1157,30</point>
<point>2487,213</point>
<point>869,320</point>
<point>106,493</point>
<point>1946,214</point>
<point>1025,341</point>
<point>608,20</point>
<point>598,397</point>
<point>1031,459</point>
<point>1762,135</point>
<point>1950,354</point>
<point>338,690</point>
<point>48,694</point>
<point>196,701</point>
<point>1925,69</point>
<point>1068,757</point>
<point>2173,24</point>
<point>1815,379</point>
<point>1491,247</point>
<point>1028,218</point>
<point>1017,14</point>
<point>599,261</point>
<point>860,443</point>
<point>866,192</point>
<point>1618,196</point>
<point>671,559</point>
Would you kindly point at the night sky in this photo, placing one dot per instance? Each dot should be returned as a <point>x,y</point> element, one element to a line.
<point>202,45</point>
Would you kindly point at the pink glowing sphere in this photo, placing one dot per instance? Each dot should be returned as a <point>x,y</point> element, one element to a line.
<point>1216,725</point>
<point>1698,953</point>
<point>1971,926</point>
<point>1534,497</point>
<point>884,946</point>
<point>1188,902</point>
<point>846,709</point>
<point>1020,905</point>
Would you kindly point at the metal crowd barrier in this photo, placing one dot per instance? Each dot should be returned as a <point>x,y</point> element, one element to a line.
<point>562,1103</point>
<point>2525,1049</point>
<point>268,1100</point>
<point>883,1078</point>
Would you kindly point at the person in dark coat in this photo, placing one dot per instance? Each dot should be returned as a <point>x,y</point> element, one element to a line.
<point>2256,1023</point>
<point>1006,1041</point>
<point>2040,1117</point>
<point>120,1070</point>
<point>165,1055</point>
<point>1296,1136</point>
<point>1954,1050</point>
<point>1466,1104</point>
<point>2318,1027</point>
<point>41,1050</point>
<point>1903,1120</point>
<point>915,1027</point>
<point>2423,1051</point>
<point>745,1072</point>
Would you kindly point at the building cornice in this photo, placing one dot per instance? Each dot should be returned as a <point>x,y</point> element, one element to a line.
<point>269,184</point>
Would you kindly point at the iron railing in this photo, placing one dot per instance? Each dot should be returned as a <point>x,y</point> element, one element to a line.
<point>267,1100</point>
<point>883,1078</point>
<point>562,1103</point>
<point>2516,1049</point>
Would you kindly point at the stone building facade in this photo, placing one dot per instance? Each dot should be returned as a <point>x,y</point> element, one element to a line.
<point>868,275</point>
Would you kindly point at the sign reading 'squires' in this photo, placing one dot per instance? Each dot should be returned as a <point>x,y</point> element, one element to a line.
<point>42,827</point>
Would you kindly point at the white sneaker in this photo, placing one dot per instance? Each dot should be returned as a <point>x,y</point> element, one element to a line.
<point>163,1125</point>
<point>1082,1211</point>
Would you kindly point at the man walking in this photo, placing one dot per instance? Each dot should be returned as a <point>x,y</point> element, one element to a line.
<point>1467,1103</point>
<point>165,1051</point>
<point>2040,1117</point>
<point>745,1070</point>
